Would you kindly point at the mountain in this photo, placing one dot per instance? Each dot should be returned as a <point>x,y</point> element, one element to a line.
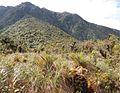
<point>72,24</point>
<point>31,33</point>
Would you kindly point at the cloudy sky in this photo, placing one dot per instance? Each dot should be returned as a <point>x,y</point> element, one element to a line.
<point>102,12</point>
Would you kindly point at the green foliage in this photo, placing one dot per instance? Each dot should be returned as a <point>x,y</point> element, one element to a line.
<point>79,59</point>
<point>44,64</point>
<point>73,24</point>
<point>36,36</point>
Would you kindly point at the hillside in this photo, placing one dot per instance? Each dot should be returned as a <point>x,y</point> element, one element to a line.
<point>42,51</point>
<point>72,24</point>
<point>30,33</point>
<point>95,69</point>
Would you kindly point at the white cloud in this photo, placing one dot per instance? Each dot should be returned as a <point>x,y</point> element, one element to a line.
<point>102,12</point>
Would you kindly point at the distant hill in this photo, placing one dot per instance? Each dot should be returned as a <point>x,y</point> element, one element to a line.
<point>72,24</point>
<point>30,33</point>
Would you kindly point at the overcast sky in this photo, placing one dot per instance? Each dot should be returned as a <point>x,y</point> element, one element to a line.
<point>102,12</point>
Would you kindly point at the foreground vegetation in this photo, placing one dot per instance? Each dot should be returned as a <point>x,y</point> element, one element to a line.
<point>91,67</point>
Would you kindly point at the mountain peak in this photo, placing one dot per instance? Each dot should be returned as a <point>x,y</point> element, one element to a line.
<point>26,4</point>
<point>72,24</point>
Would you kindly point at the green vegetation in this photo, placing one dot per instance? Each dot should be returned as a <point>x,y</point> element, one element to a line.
<point>41,52</point>
<point>95,68</point>
<point>72,24</point>
<point>32,35</point>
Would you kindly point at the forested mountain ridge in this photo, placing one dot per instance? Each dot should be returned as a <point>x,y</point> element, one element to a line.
<point>72,24</point>
<point>31,33</point>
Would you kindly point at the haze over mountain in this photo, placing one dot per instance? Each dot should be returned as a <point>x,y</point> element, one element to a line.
<point>72,24</point>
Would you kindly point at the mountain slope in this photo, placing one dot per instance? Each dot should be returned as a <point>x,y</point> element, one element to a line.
<point>33,34</point>
<point>83,30</point>
<point>70,23</point>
